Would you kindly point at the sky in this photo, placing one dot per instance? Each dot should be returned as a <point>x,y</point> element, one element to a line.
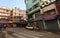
<point>13,3</point>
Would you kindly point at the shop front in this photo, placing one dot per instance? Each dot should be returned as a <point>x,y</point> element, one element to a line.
<point>51,23</point>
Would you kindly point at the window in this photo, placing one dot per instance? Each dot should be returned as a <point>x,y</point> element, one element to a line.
<point>33,0</point>
<point>30,9</point>
<point>50,12</point>
<point>7,10</point>
<point>11,14</point>
<point>57,0</point>
<point>35,6</point>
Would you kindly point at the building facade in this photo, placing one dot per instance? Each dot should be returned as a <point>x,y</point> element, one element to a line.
<point>43,14</point>
<point>12,16</point>
<point>19,14</point>
<point>4,13</point>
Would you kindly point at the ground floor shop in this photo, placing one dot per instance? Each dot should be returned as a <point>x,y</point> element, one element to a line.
<point>48,25</point>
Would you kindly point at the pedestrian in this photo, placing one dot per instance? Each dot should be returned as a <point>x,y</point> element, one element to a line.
<point>4,26</point>
<point>1,26</point>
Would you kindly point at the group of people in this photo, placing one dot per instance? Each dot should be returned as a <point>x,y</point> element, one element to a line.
<point>3,27</point>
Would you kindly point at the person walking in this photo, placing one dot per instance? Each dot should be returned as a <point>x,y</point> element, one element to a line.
<point>1,27</point>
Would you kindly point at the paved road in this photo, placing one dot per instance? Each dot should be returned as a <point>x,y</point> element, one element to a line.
<point>2,35</point>
<point>23,33</point>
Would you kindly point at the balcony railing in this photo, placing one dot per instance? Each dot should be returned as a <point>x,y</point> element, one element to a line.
<point>33,11</point>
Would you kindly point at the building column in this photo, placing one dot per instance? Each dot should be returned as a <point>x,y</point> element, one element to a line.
<point>58,23</point>
<point>44,24</point>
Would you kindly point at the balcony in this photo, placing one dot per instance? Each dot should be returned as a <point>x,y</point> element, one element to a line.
<point>50,7</point>
<point>33,11</point>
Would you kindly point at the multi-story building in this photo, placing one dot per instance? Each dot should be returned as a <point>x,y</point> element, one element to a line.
<point>43,13</point>
<point>12,16</point>
<point>19,14</point>
<point>5,16</point>
<point>51,11</point>
<point>4,13</point>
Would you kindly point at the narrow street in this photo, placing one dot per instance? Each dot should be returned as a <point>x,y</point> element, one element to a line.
<point>2,35</point>
<point>29,18</point>
<point>23,33</point>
